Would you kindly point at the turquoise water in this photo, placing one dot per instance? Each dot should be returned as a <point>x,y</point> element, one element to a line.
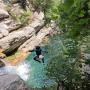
<point>37,76</point>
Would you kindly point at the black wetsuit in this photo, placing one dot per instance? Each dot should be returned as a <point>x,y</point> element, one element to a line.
<point>38,53</point>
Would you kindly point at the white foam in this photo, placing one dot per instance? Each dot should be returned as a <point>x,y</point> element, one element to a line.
<point>22,70</point>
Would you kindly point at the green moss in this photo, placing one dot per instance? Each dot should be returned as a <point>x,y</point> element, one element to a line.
<point>25,16</point>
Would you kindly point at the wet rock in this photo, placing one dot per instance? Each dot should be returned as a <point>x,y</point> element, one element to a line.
<point>12,82</point>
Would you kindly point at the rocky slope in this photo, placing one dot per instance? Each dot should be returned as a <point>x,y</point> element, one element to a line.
<point>15,36</point>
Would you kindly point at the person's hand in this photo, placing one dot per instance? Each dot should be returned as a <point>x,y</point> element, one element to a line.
<point>30,50</point>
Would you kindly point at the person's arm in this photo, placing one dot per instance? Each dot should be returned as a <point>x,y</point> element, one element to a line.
<point>32,50</point>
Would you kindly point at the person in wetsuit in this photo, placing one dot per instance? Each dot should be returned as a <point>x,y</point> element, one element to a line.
<point>39,55</point>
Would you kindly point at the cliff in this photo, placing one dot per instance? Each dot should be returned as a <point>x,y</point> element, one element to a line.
<point>20,30</point>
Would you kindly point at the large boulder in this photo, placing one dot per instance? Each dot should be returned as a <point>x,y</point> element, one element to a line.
<point>36,39</point>
<point>12,82</point>
<point>15,39</point>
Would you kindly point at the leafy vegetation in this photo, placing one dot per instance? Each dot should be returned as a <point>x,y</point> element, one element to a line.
<point>66,66</point>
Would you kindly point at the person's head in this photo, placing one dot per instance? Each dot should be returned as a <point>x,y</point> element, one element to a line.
<point>37,47</point>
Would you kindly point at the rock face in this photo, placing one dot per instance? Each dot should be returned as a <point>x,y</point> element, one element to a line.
<point>35,40</point>
<point>3,30</point>
<point>3,14</point>
<point>11,39</point>
<point>15,39</point>
<point>12,36</point>
<point>12,82</point>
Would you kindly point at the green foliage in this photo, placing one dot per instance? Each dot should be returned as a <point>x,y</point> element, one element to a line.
<point>76,18</point>
<point>49,7</point>
<point>73,18</point>
<point>63,70</point>
<point>65,65</point>
<point>24,17</point>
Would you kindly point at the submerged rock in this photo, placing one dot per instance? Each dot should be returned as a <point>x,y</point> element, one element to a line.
<point>12,82</point>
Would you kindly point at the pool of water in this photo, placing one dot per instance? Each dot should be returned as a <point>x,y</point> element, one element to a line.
<point>32,71</point>
<point>37,77</point>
